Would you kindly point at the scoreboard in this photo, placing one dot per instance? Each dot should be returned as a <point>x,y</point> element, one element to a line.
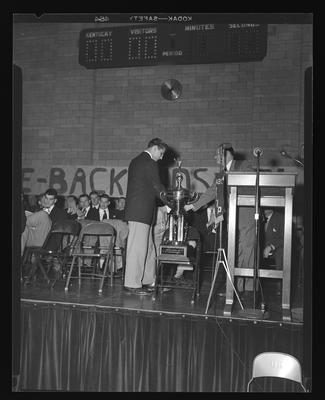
<point>157,44</point>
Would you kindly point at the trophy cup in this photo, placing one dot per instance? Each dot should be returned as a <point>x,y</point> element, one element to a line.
<point>174,247</point>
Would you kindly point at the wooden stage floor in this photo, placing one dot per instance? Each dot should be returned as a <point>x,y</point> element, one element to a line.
<point>177,301</point>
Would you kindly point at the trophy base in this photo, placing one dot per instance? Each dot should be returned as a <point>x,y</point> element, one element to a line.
<point>169,252</point>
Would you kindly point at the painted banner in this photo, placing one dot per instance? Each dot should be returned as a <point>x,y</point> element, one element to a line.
<point>109,179</point>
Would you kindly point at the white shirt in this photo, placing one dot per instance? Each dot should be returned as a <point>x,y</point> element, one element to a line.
<point>211,215</point>
<point>267,220</point>
<point>228,165</point>
<point>146,151</point>
<point>95,206</point>
<point>101,213</point>
<point>48,210</point>
<point>86,211</point>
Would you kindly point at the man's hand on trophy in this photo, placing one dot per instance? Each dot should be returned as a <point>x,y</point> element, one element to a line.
<point>188,207</point>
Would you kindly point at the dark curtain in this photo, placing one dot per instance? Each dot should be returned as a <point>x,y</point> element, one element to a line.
<point>93,349</point>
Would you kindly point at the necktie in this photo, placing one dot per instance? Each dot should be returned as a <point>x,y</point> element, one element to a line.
<point>104,215</point>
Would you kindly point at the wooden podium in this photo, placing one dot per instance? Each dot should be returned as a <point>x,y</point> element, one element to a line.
<point>276,191</point>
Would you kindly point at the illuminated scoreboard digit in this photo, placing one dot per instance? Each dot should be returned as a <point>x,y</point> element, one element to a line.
<point>142,44</point>
<point>131,46</point>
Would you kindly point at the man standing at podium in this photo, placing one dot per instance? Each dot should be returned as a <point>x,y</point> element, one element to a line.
<point>143,187</point>
<point>246,222</point>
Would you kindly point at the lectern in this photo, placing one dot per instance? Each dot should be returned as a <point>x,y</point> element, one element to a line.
<point>276,191</point>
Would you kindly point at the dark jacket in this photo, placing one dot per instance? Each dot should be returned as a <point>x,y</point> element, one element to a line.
<point>57,214</point>
<point>210,193</point>
<point>274,234</point>
<point>93,214</point>
<point>143,187</point>
<point>117,214</point>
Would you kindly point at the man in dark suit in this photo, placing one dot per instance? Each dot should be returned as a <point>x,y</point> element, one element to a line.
<point>49,205</point>
<point>86,211</point>
<point>118,211</point>
<point>143,188</point>
<point>273,238</point>
<point>245,217</point>
<point>56,214</point>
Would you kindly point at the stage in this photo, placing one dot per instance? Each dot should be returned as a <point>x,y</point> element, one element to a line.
<point>82,341</point>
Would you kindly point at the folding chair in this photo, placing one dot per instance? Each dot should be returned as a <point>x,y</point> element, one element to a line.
<point>93,249</point>
<point>57,247</point>
<point>274,364</point>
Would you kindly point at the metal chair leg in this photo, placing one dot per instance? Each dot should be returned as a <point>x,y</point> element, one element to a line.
<point>69,275</point>
<point>107,261</point>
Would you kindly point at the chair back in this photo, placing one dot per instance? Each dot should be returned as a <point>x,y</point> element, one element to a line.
<point>62,234</point>
<point>275,364</point>
<point>97,228</point>
<point>69,227</point>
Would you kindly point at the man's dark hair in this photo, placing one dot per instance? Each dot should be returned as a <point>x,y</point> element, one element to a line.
<point>51,192</point>
<point>157,142</point>
<point>105,196</point>
<point>71,196</point>
<point>84,195</point>
<point>93,192</point>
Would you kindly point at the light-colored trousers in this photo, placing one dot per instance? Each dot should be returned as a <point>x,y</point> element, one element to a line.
<point>140,256</point>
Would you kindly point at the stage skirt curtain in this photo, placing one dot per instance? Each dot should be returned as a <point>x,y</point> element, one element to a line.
<point>92,349</point>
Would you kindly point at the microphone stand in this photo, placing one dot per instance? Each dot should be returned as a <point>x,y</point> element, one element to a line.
<point>254,312</point>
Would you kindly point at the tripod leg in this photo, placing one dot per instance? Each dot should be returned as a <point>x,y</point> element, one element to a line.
<point>213,282</point>
<point>226,267</point>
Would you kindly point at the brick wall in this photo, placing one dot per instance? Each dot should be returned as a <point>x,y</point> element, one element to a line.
<point>74,116</point>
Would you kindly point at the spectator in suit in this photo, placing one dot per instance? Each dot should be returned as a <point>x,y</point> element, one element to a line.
<point>56,214</point>
<point>143,188</point>
<point>273,237</point>
<point>85,211</point>
<point>104,202</point>
<point>72,207</point>
<point>49,205</point>
<point>118,212</point>
<point>94,199</point>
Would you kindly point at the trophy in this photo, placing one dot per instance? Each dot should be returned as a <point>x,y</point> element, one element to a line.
<point>174,247</point>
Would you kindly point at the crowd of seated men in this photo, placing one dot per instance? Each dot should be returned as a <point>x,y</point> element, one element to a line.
<point>40,213</point>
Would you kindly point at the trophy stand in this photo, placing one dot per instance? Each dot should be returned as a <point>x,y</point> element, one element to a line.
<point>174,249</point>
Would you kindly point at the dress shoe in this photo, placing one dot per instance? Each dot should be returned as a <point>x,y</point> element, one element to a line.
<point>140,291</point>
<point>149,288</point>
<point>118,273</point>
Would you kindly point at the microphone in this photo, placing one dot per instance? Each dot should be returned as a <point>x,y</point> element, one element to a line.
<point>258,151</point>
<point>286,155</point>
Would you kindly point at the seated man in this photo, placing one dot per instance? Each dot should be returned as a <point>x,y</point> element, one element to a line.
<point>192,237</point>
<point>49,205</point>
<point>273,238</point>
<point>94,199</point>
<point>72,208</point>
<point>85,210</point>
<point>118,211</point>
